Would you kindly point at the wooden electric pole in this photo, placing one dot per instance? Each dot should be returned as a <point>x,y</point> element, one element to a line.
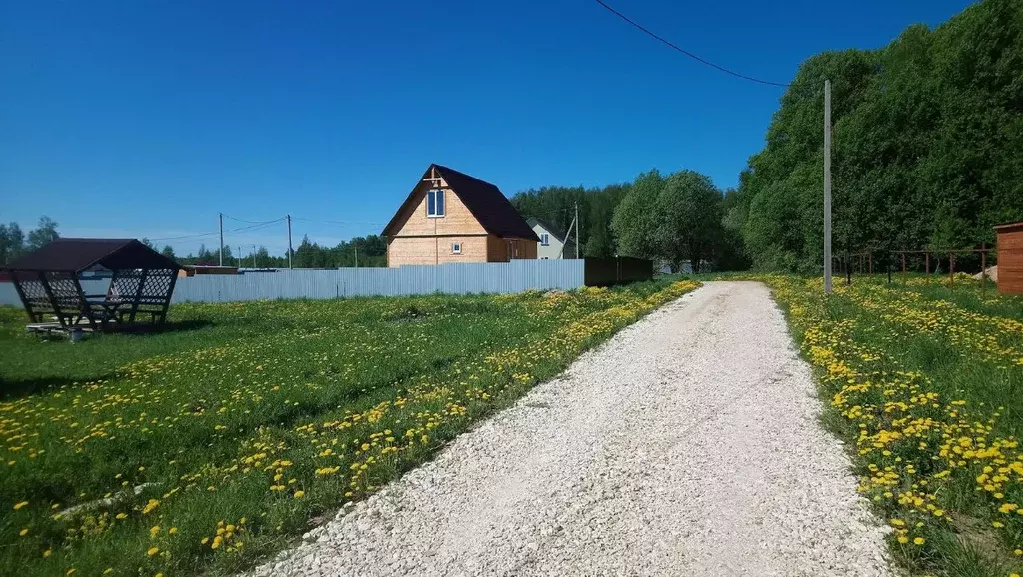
<point>289,241</point>
<point>577,229</point>
<point>221,239</point>
<point>827,187</point>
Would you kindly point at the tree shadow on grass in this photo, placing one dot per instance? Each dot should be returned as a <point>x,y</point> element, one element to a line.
<point>145,328</point>
<point>11,389</point>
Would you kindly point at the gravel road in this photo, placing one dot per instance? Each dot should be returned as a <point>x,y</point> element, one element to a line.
<point>686,445</point>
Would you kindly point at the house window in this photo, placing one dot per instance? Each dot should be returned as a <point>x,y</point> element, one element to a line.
<point>456,248</point>
<point>545,239</point>
<point>435,203</point>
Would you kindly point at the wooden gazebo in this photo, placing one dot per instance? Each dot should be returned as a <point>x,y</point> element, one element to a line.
<point>49,283</point>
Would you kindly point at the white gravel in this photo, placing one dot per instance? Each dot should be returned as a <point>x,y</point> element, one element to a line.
<point>687,445</point>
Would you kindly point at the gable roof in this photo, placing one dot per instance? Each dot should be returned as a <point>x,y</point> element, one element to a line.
<point>553,230</point>
<point>486,202</point>
<point>79,254</point>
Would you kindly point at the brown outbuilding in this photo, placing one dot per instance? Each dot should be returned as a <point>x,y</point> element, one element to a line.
<point>1010,257</point>
<point>48,280</point>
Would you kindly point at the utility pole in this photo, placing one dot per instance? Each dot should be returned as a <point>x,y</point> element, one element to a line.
<point>240,263</point>
<point>221,239</point>
<point>254,256</point>
<point>577,229</point>
<point>289,241</point>
<point>356,254</point>
<point>827,187</point>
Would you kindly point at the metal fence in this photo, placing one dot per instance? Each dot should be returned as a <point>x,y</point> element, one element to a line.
<point>510,277</point>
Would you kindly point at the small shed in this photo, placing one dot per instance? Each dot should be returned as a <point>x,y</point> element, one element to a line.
<point>49,283</point>
<point>1010,257</point>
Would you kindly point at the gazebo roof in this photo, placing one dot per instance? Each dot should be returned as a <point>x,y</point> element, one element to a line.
<point>80,254</point>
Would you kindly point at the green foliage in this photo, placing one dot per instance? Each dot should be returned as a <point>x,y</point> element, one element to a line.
<point>13,241</point>
<point>44,233</point>
<point>671,220</point>
<point>634,221</point>
<point>926,150</point>
<point>557,205</point>
<point>372,252</point>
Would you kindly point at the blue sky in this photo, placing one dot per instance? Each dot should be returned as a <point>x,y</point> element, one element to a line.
<point>148,118</point>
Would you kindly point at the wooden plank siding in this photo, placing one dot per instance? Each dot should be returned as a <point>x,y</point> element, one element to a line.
<point>1010,258</point>
<point>424,240</point>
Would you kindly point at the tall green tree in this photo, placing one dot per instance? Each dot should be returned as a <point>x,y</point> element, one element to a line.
<point>634,222</point>
<point>687,223</point>
<point>44,233</point>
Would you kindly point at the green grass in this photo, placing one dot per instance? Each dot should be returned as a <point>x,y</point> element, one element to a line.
<point>938,366</point>
<point>243,421</point>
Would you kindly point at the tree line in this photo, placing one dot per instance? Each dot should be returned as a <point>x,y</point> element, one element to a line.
<point>927,153</point>
<point>363,251</point>
<point>927,146</point>
<point>14,242</point>
<point>674,219</point>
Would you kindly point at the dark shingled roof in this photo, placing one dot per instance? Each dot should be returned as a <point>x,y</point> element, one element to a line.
<point>79,254</point>
<point>485,201</point>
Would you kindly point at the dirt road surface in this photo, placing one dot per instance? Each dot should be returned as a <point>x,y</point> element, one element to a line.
<point>686,445</point>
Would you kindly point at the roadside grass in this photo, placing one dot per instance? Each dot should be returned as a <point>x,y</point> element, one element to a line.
<point>203,449</point>
<point>924,383</point>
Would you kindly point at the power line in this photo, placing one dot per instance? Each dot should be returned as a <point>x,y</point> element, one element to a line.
<point>250,221</point>
<point>686,52</point>
<point>200,235</point>
<point>255,226</point>
<point>336,221</point>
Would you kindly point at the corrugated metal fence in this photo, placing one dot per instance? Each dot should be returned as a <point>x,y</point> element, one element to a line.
<point>510,277</point>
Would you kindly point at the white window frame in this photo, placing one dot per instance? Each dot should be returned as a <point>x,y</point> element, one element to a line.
<point>545,239</point>
<point>456,248</point>
<point>435,194</point>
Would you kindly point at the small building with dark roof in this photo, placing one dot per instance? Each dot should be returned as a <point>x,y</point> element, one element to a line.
<point>453,217</point>
<point>48,282</point>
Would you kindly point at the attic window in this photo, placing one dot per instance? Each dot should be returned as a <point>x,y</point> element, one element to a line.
<point>435,203</point>
<point>545,239</point>
<point>456,248</point>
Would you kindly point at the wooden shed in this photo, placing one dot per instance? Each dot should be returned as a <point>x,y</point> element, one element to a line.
<point>1010,258</point>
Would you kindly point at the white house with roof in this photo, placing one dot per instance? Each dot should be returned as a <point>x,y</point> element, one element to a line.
<point>553,244</point>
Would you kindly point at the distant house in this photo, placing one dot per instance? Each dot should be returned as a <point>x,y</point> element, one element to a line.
<point>453,217</point>
<point>553,244</point>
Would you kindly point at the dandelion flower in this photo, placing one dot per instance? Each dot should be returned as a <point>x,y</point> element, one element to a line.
<point>153,551</point>
<point>919,541</point>
<point>20,505</point>
<point>299,494</point>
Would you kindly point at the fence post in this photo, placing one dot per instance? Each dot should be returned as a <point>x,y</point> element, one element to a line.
<point>903,268</point>
<point>927,267</point>
<point>951,269</point>
<point>870,263</point>
<point>983,269</point>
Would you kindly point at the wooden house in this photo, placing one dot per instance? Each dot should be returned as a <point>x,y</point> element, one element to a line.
<point>452,217</point>
<point>1010,258</point>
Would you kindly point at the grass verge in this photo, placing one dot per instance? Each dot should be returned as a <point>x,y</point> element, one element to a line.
<point>204,449</point>
<point>924,382</point>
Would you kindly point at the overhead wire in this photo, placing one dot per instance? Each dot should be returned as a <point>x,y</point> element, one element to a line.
<point>686,52</point>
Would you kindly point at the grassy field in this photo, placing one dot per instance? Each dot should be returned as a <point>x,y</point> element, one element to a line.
<point>206,447</point>
<point>925,384</point>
